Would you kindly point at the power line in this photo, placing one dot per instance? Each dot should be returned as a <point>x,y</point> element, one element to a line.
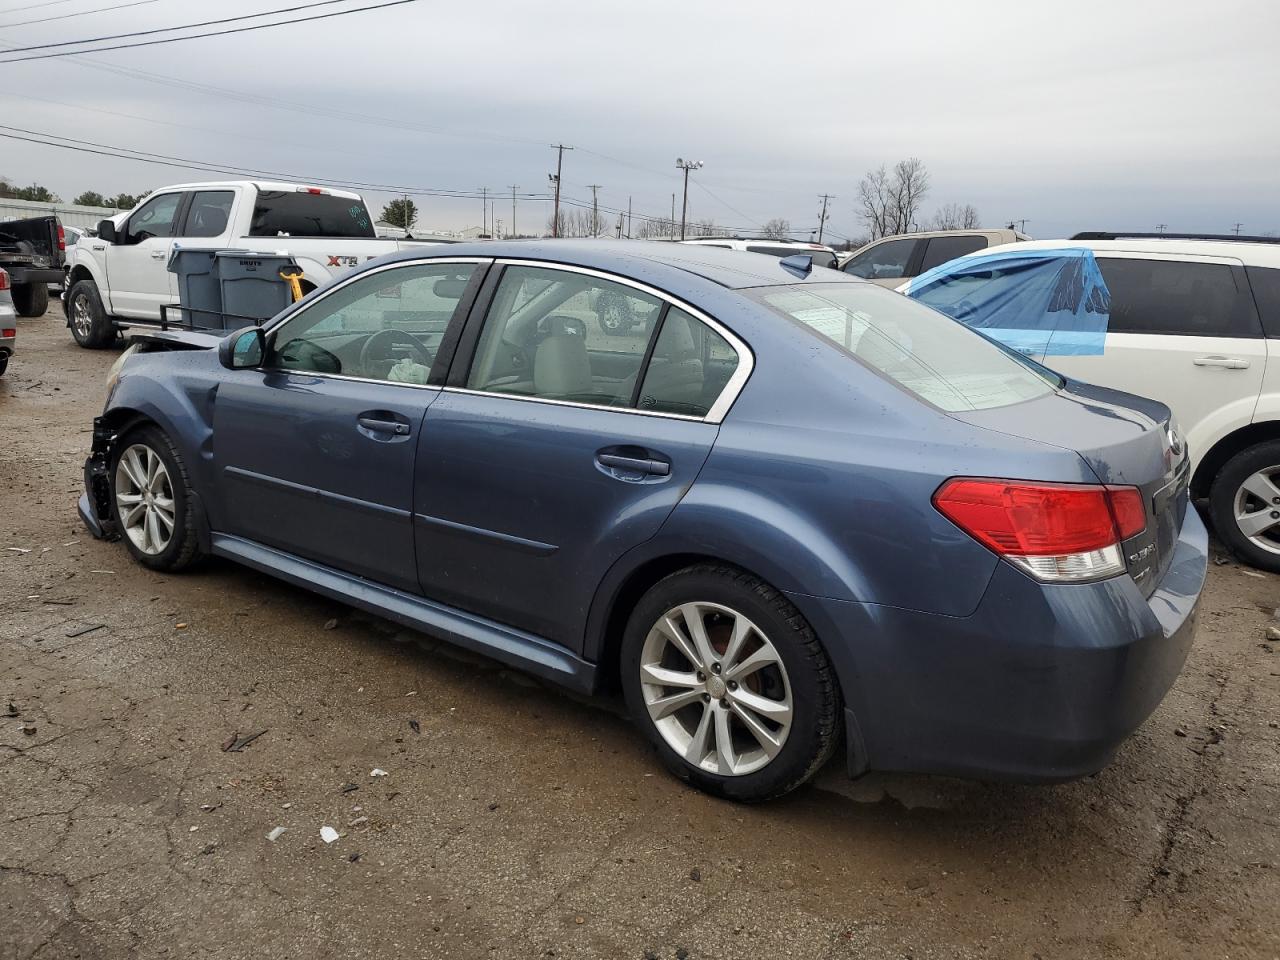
<point>183,26</point>
<point>32,6</point>
<point>82,13</point>
<point>214,33</point>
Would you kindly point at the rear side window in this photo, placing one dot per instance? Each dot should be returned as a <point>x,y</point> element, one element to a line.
<point>1178,298</point>
<point>942,249</point>
<point>1266,294</point>
<point>300,214</point>
<point>208,213</point>
<point>884,261</point>
<point>925,352</point>
<point>688,368</point>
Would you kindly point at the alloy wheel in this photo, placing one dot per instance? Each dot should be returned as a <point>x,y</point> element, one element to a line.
<point>144,499</point>
<point>716,688</point>
<point>81,319</point>
<point>1257,508</point>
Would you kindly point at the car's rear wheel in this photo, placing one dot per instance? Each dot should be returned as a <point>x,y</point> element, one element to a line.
<point>1245,503</point>
<point>729,683</point>
<point>90,325</point>
<point>30,299</point>
<point>151,500</point>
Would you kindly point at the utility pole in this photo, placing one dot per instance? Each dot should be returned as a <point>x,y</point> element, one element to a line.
<point>1160,227</point>
<point>560,148</point>
<point>484,217</point>
<point>595,209</point>
<point>628,218</point>
<point>673,216</point>
<point>686,166</point>
<point>514,186</point>
<point>822,220</point>
<point>404,214</point>
<point>1236,229</point>
<point>1021,229</point>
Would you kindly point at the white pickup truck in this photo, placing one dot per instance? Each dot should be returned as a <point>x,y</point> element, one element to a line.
<point>120,277</point>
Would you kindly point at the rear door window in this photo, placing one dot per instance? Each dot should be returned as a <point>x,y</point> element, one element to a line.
<point>939,250</point>
<point>1178,298</point>
<point>209,212</point>
<point>884,261</point>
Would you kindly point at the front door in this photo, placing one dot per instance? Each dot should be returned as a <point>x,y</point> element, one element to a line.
<point>137,263</point>
<point>316,451</point>
<point>1183,331</point>
<point>560,445</point>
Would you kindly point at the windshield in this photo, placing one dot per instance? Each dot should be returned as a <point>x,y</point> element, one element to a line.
<point>926,353</point>
<point>300,214</point>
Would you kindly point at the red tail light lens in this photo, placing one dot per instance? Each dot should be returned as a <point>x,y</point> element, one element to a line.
<point>4,280</point>
<point>1054,531</point>
<point>8,333</point>
<point>62,238</point>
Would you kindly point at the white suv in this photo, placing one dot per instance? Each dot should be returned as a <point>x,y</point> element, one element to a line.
<point>823,256</point>
<point>1195,323</point>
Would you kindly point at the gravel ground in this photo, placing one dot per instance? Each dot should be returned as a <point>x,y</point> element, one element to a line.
<point>516,821</point>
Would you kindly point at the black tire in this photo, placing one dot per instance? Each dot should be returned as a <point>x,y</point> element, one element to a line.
<point>4,365</point>
<point>183,548</point>
<point>30,299</point>
<point>1222,505</point>
<point>95,330</point>
<point>815,726</point>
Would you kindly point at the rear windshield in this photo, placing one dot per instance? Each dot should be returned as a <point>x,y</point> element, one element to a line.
<point>939,360</point>
<point>291,213</point>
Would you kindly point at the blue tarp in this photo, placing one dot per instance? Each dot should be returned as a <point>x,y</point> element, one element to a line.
<point>1043,303</point>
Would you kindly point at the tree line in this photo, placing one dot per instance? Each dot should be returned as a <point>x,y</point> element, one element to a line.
<point>89,198</point>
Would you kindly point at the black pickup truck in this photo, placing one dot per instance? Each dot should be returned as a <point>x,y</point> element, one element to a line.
<point>32,251</point>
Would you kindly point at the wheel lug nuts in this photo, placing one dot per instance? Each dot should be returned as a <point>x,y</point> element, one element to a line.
<point>706,698</point>
<point>733,684</point>
<point>725,704</point>
<point>715,668</point>
<point>1275,515</point>
<point>702,677</point>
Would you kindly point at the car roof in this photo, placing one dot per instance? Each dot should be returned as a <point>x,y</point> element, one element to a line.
<point>1254,254</point>
<point>261,185</point>
<point>735,269</point>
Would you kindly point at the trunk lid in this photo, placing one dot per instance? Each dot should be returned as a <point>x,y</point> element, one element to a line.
<point>1124,439</point>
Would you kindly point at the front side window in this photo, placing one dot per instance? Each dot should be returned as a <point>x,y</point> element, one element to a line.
<point>209,212</point>
<point>888,260</point>
<point>386,325</point>
<point>154,218</point>
<point>925,352</point>
<point>1177,297</point>
<point>564,336</point>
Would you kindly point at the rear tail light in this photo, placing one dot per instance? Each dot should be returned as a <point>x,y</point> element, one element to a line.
<point>4,280</point>
<point>1053,531</point>
<point>314,190</point>
<point>62,238</point>
<point>8,333</point>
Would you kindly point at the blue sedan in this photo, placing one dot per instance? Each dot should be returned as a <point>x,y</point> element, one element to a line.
<point>792,512</point>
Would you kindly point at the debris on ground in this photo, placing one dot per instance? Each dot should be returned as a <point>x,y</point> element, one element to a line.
<point>492,807</point>
<point>378,772</point>
<point>180,626</point>
<point>1273,633</point>
<point>331,624</point>
<point>328,834</point>
<point>1179,732</point>
<point>11,711</point>
<point>58,601</point>
<point>18,549</point>
<point>28,729</point>
<point>210,807</point>
<point>237,743</point>
<point>81,631</point>
<point>415,726</point>
<point>682,953</point>
<point>350,788</point>
<point>695,875</point>
<point>354,857</point>
<point>276,833</point>
<point>357,821</point>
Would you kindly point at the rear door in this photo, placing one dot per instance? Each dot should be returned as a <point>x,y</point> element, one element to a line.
<point>555,448</point>
<point>1183,331</point>
<point>137,263</point>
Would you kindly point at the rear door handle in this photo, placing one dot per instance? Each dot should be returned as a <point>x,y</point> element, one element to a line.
<point>158,254</point>
<point>383,426</point>
<point>1231,363</point>
<point>654,468</point>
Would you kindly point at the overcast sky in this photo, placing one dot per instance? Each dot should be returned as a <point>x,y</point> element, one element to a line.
<point>1082,115</point>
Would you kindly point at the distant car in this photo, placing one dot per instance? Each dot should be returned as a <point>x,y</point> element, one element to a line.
<point>890,260</point>
<point>823,256</point>
<point>802,511</point>
<point>1194,322</point>
<point>8,323</point>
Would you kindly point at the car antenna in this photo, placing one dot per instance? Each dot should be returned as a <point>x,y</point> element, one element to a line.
<point>801,264</point>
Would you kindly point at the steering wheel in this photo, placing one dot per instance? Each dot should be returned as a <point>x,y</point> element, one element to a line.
<point>377,350</point>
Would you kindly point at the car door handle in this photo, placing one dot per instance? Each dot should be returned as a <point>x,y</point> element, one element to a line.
<point>1231,363</point>
<point>158,254</point>
<point>378,425</point>
<point>654,468</point>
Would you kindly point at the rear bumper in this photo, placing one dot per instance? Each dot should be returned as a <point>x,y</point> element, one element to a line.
<point>36,274</point>
<point>1041,683</point>
<point>94,505</point>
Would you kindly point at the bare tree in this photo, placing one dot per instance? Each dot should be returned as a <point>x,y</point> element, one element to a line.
<point>954,216</point>
<point>890,202</point>
<point>778,229</point>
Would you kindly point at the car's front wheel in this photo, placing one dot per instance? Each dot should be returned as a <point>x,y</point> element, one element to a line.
<point>151,500</point>
<point>1245,503</point>
<point>90,325</point>
<point>729,683</point>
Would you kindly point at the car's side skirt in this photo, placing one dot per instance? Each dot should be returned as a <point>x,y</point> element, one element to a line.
<point>506,644</point>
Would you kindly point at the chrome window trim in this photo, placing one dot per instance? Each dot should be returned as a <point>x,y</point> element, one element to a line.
<point>728,394</point>
<point>285,371</point>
